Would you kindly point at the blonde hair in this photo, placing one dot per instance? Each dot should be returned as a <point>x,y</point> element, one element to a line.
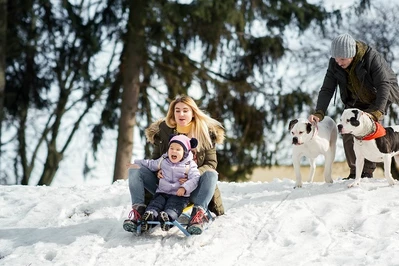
<point>202,124</point>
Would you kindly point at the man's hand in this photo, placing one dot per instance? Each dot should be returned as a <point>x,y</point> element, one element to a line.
<point>313,119</point>
<point>375,115</point>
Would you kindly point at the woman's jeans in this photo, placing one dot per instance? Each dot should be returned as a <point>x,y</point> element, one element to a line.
<point>143,178</point>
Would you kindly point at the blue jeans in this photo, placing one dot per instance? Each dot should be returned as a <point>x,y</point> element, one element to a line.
<point>143,178</point>
<point>173,205</point>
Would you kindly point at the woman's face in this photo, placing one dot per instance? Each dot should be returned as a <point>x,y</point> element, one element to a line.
<point>183,114</point>
<point>343,62</point>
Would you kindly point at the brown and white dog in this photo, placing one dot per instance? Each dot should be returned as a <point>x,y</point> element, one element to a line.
<point>371,141</point>
<point>311,140</point>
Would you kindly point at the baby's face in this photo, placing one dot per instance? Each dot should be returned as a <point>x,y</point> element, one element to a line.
<point>175,152</point>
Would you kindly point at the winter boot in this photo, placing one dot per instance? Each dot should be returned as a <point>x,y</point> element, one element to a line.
<point>198,218</point>
<point>367,174</point>
<point>148,216</point>
<point>135,214</point>
<point>350,176</point>
<point>163,218</point>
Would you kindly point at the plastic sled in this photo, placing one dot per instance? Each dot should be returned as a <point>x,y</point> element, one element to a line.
<point>180,223</point>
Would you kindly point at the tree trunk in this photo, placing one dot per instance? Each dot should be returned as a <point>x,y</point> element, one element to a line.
<point>26,170</point>
<point>3,41</point>
<point>51,166</point>
<point>54,156</point>
<point>131,65</point>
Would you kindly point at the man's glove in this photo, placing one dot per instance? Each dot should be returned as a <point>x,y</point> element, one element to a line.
<point>376,115</point>
<point>320,114</point>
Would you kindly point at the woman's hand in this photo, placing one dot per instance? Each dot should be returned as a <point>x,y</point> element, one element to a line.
<point>132,166</point>
<point>159,174</point>
<point>181,191</point>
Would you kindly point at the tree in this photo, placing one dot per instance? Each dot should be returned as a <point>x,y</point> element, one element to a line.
<point>226,53</point>
<point>232,57</point>
<point>3,41</point>
<point>50,61</point>
<point>131,68</point>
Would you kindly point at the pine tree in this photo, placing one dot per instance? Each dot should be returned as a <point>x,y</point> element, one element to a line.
<point>49,56</point>
<point>232,57</point>
<point>3,41</point>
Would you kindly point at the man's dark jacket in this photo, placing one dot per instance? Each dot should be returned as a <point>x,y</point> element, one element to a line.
<point>374,74</point>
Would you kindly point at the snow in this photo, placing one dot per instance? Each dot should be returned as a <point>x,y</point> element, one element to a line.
<point>266,223</point>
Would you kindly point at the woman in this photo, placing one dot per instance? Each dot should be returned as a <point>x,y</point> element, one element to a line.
<point>183,117</point>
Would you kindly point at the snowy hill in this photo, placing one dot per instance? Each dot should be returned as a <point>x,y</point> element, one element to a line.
<point>266,223</point>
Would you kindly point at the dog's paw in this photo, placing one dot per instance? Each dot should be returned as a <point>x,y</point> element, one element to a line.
<point>298,185</point>
<point>354,184</point>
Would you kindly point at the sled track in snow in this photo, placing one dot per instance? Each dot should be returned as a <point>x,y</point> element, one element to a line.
<point>266,220</point>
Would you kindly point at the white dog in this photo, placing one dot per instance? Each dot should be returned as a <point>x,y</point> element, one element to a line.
<point>311,140</point>
<point>371,141</point>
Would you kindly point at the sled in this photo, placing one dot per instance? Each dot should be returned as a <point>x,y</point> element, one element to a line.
<point>180,223</point>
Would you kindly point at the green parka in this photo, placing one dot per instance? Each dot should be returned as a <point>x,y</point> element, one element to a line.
<point>158,134</point>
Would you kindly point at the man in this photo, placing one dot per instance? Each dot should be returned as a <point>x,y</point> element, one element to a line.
<point>366,82</point>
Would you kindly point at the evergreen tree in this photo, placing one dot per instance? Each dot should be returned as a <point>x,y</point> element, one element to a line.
<point>51,52</point>
<point>132,59</point>
<point>3,41</point>
<point>233,73</point>
<point>226,53</point>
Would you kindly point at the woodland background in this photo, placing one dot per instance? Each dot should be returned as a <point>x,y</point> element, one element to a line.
<point>81,80</point>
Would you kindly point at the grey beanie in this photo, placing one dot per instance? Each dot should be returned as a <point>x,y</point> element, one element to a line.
<point>343,46</point>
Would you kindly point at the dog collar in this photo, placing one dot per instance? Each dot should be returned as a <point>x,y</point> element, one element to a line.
<point>378,133</point>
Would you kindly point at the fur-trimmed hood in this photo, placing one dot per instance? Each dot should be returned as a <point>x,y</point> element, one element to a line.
<point>217,134</point>
<point>152,130</point>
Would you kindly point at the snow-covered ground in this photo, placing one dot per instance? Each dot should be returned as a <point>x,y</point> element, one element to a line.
<point>266,223</point>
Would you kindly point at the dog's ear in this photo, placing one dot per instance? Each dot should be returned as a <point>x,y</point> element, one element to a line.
<point>308,127</point>
<point>292,124</point>
<point>357,113</point>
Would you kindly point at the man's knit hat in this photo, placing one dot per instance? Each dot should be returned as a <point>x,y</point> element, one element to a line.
<point>184,141</point>
<point>343,46</point>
